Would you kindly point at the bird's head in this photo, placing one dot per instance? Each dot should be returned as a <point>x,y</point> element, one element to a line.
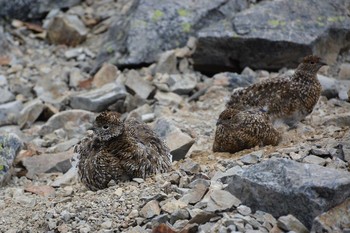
<point>311,63</point>
<point>108,125</point>
<point>225,118</point>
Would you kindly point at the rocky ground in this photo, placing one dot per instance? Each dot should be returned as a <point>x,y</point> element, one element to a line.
<point>51,88</point>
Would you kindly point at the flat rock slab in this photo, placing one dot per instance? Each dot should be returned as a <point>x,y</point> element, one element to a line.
<point>334,220</point>
<point>98,99</point>
<point>282,187</point>
<point>10,145</point>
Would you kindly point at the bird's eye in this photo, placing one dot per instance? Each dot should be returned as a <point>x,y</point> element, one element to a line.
<point>105,127</point>
<point>312,62</point>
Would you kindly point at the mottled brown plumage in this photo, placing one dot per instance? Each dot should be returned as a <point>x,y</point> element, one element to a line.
<point>243,129</point>
<point>290,99</point>
<point>120,150</point>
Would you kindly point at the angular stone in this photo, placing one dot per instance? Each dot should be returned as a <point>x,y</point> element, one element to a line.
<point>6,95</point>
<point>195,194</point>
<point>334,220</point>
<point>180,214</point>
<point>10,145</point>
<point>172,205</point>
<point>98,99</point>
<point>66,29</point>
<point>281,187</point>
<point>290,223</point>
<point>179,84</point>
<point>9,112</point>
<point>168,98</point>
<point>72,121</point>
<point>73,53</point>
<point>233,80</point>
<point>251,158</point>
<point>314,160</point>
<point>108,73</point>
<point>332,88</point>
<point>178,141</point>
<point>257,39</point>
<point>30,113</point>
<point>29,10</point>
<point>167,63</point>
<point>44,162</point>
<point>151,27</point>
<point>138,85</point>
<point>221,200</point>
<point>244,210</point>
<point>344,71</point>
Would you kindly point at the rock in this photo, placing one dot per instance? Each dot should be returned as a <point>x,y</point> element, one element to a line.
<point>30,113</point>
<point>173,205</point>
<point>10,145</point>
<point>190,167</point>
<point>138,85</point>
<point>332,88</point>
<point>98,99</point>
<point>52,86</point>
<point>30,10</point>
<point>251,158</point>
<point>221,200</point>
<point>314,160</point>
<point>257,39</point>
<point>44,162</point>
<point>72,121</point>
<point>344,71</point>
<point>151,27</point>
<point>73,53</point>
<point>150,210</point>
<point>334,220</point>
<point>167,63</point>
<point>233,80</point>
<point>5,95</point>
<point>9,112</point>
<point>320,152</point>
<point>43,190</point>
<point>179,84</point>
<point>178,141</point>
<point>195,194</point>
<point>244,210</point>
<point>168,98</point>
<point>303,190</point>
<point>108,73</point>
<point>290,223</point>
<point>181,214</point>
<point>340,120</point>
<point>66,29</point>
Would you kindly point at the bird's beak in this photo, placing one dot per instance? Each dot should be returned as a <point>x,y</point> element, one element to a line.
<point>219,122</point>
<point>323,62</point>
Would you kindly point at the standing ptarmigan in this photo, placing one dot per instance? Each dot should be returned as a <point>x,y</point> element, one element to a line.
<point>290,99</point>
<point>243,129</point>
<point>120,150</point>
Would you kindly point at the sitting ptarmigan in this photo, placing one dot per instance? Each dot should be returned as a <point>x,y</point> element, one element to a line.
<point>243,129</point>
<point>120,150</point>
<point>290,99</point>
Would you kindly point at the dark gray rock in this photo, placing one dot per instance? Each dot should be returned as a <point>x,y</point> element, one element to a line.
<point>151,27</point>
<point>274,34</point>
<point>98,99</point>
<point>10,145</point>
<point>31,9</point>
<point>9,112</point>
<point>281,187</point>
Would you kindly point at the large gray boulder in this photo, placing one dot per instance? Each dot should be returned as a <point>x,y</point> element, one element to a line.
<point>151,27</point>
<point>282,187</point>
<point>275,34</point>
<point>231,35</point>
<point>31,9</point>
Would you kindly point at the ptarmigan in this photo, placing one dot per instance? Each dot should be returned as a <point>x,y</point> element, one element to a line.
<point>290,99</point>
<point>120,150</point>
<point>243,129</point>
